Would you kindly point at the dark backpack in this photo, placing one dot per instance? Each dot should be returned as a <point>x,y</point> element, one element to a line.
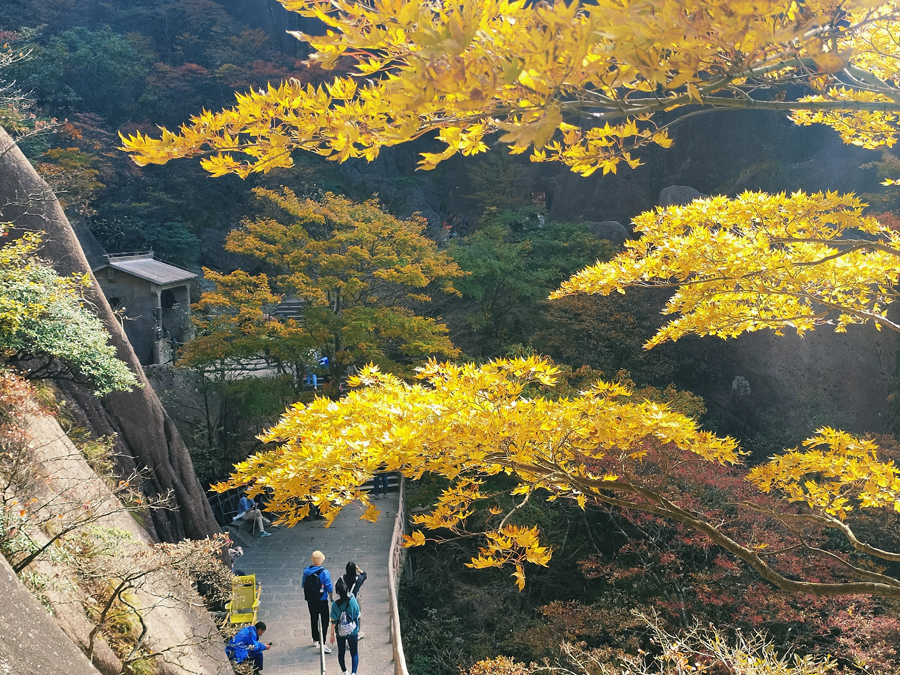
<point>312,587</point>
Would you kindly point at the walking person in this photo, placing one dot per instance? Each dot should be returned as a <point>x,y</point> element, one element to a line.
<point>317,590</point>
<point>345,622</point>
<point>381,485</point>
<point>354,578</point>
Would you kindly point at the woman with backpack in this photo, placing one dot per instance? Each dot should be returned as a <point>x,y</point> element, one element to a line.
<point>345,623</point>
<point>354,578</point>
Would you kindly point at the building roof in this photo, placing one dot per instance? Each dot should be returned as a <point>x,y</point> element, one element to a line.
<point>143,266</point>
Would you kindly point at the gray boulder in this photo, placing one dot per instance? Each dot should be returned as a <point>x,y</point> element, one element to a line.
<point>32,643</point>
<point>679,195</point>
<point>612,230</point>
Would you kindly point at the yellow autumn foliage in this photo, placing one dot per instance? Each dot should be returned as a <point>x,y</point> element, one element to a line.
<point>757,261</point>
<point>576,83</point>
<point>466,422</point>
<point>835,474</point>
<point>584,84</point>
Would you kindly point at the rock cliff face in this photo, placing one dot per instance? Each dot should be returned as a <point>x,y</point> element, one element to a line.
<point>178,628</point>
<point>840,380</point>
<point>146,437</point>
<point>32,643</point>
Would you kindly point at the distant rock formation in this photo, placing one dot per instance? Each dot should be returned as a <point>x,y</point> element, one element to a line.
<point>146,436</point>
<point>747,383</point>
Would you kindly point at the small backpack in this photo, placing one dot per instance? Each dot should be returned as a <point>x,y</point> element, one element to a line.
<point>346,626</point>
<point>312,587</point>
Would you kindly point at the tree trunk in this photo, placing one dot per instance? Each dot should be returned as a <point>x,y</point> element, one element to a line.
<point>146,437</point>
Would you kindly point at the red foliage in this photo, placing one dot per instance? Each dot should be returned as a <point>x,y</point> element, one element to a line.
<point>16,403</point>
<point>682,575</point>
<point>889,220</point>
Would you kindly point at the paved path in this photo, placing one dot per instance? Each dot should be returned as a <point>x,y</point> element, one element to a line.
<point>278,563</point>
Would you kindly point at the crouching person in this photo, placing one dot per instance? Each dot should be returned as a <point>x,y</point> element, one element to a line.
<point>245,646</point>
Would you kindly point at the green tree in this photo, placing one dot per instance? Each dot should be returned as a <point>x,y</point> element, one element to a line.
<point>512,263</point>
<point>608,334</point>
<point>83,70</point>
<point>497,183</point>
<point>44,325</point>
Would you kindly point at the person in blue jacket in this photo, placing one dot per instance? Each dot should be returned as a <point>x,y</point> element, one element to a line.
<point>245,645</point>
<point>346,604</point>
<point>249,510</point>
<point>317,590</point>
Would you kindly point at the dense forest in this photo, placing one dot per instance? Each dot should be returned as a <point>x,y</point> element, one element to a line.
<point>394,267</point>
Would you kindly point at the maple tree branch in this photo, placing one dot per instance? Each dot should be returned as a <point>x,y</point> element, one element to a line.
<point>876,83</point>
<point>859,313</point>
<point>513,510</point>
<point>865,574</point>
<point>780,551</point>
<point>854,244</point>
<point>646,105</point>
<point>828,258</point>
<point>666,509</point>
<point>835,524</point>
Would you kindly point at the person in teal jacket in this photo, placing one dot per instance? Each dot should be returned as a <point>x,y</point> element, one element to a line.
<point>245,645</point>
<point>345,603</point>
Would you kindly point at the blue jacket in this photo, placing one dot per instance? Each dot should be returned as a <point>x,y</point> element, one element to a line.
<point>240,646</point>
<point>245,504</point>
<point>324,579</point>
<point>352,609</point>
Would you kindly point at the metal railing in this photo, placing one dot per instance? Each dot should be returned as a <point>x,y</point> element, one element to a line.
<point>395,565</point>
<point>224,505</point>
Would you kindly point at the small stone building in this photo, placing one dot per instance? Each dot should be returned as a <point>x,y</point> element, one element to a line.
<point>153,300</point>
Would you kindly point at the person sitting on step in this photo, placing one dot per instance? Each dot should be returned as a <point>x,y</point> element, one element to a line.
<point>249,510</point>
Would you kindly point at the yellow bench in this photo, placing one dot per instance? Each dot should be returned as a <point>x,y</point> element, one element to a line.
<point>244,604</point>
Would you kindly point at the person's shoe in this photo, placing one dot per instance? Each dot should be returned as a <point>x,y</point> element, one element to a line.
<point>265,534</point>
<point>273,525</point>
<point>361,636</point>
<point>327,649</point>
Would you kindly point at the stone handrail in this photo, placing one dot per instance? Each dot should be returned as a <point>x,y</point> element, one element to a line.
<point>395,564</point>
